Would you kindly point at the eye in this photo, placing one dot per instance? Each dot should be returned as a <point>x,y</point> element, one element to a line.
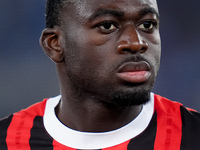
<point>107,27</point>
<point>148,26</point>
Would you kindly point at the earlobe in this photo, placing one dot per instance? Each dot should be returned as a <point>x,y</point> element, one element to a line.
<point>51,42</point>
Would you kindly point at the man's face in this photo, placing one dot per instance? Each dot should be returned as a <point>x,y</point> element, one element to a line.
<point>112,49</point>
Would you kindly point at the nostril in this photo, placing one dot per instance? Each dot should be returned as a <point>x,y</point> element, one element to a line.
<point>143,50</point>
<point>144,47</point>
<point>127,50</point>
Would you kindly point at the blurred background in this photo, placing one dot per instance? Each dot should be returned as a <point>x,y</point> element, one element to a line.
<point>27,75</point>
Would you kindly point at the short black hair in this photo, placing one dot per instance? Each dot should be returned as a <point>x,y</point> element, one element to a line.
<point>52,14</point>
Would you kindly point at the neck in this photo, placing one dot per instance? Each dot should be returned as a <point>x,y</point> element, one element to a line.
<point>90,113</point>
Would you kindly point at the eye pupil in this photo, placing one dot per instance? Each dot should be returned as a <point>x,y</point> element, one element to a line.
<point>147,24</point>
<point>107,25</point>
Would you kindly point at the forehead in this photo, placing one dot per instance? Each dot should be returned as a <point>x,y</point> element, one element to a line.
<point>86,8</point>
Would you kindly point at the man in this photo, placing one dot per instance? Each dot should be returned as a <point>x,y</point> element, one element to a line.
<point>107,54</point>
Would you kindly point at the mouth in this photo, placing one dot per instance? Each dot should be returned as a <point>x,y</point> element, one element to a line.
<point>134,72</point>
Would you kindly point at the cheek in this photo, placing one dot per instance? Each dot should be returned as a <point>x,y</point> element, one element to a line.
<point>95,39</point>
<point>153,55</point>
<point>156,55</point>
<point>154,43</point>
<point>153,38</point>
<point>83,58</point>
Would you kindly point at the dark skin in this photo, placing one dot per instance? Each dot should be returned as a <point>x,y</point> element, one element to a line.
<point>98,49</point>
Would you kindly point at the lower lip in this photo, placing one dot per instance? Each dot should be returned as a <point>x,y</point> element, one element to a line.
<point>134,77</point>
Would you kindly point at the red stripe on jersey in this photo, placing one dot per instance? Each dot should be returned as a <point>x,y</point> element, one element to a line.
<point>58,146</point>
<point>169,124</point>
<point>122,146</point>
<point>37,109</point>
<point>18,133</point>
<point>190,109</point>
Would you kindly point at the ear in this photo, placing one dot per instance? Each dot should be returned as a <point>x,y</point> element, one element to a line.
<point>51,42</point>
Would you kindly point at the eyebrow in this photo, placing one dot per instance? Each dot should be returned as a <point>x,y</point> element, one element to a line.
<point>103,12</point>
<point>119,13</point>
<point>148,10</point>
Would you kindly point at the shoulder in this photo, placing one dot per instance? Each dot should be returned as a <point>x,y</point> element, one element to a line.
<point>164,104</point>
<point>189,118</point>
<point>182,121</point>
<point>18,125</point>
<point>25,114</point>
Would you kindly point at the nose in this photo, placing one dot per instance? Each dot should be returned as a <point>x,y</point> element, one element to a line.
<point>130,41</point>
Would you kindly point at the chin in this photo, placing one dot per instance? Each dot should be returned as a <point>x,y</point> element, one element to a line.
<point>130,97</point>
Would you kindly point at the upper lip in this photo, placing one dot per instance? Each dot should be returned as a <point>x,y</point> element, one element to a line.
<point>134,66</point>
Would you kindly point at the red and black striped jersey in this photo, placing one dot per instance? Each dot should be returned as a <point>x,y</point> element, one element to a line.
<point>161,125</point>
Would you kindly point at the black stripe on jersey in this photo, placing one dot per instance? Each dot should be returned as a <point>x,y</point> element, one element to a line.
<point>40,140</point>
<point>4,124</point>
<point>145,140</point>
<point>190,130</point>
